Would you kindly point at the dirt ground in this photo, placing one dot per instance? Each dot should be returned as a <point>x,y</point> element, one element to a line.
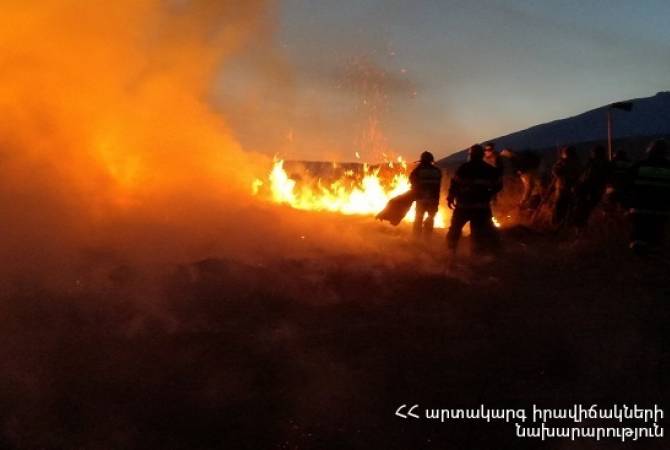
<point>318,351</point>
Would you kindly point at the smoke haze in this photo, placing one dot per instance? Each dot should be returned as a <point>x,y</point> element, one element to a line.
<point>107,137</point>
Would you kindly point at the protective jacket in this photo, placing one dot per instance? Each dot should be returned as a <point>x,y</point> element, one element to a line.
<point>425,180</point>
<point>495,160</point>
<point>474,185</point>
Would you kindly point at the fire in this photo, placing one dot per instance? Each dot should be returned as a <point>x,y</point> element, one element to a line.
<point>352,193</point>
<point>363,193</point>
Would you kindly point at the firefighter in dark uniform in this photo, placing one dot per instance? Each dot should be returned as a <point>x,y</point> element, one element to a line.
<point>526,164</point>
<point>566,173</point>
<point>649,197</point>
<point>592,185</point>
<point>494,159</point>
<point>425,180</point>
<point>470,192</point>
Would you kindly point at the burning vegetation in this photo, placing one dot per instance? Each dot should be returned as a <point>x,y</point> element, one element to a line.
<point>362,191</point>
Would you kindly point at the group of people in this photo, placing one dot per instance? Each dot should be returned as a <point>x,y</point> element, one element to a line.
<point>640,188</point>
<point>471,191</point>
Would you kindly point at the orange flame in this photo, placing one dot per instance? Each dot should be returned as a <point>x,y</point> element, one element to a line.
<point>351,194</point>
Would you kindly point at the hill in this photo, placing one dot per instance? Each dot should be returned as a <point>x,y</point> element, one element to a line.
<point>649,118</point>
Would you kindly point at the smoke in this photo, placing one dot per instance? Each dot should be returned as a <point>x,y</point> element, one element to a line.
<point>116,177</point>
<point>106,129</point>
<point>112,153</point>
<point>131,245</point>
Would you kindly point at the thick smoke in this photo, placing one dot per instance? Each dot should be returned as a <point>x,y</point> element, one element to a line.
<point>110,149</point>
<point>127,214</point>
<point>106,136</point>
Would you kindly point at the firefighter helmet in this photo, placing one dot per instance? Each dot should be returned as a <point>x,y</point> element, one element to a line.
<point>427,157</point>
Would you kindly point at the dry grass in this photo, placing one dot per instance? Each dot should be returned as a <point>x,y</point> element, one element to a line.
<point>317,351</point>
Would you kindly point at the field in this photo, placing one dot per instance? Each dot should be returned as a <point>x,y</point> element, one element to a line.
<point>316,346</point>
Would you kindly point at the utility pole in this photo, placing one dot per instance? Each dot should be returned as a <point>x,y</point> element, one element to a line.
<point>624,106</point>
<point>609,134</point>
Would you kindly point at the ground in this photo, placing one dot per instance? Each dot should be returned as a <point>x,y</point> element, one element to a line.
<point>317,352</point>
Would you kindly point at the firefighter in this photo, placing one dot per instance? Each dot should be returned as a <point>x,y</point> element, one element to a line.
<point>526,164</point>
<point>470,193</point>
<point>425,180</point>
<point>566,172</point>
<point>493,158</point>
<point>592,185</point>
<point>649,204</point>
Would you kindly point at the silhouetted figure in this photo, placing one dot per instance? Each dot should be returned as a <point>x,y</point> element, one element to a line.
<point>592,185</point>
<point>526,165</point>
<point>493,158</point>
<point>649,204</point>
<point>425,180</point>
<point>566,172</point>
<point>470,193</point>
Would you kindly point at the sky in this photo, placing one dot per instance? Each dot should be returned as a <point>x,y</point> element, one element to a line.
<point>331,78</point>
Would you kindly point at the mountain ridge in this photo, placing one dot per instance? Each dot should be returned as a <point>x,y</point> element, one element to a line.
<point>650,117</point>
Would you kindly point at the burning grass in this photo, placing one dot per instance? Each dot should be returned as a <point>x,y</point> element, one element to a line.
<point>354,192</point>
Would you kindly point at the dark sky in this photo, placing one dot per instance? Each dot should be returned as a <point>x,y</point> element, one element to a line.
<point>397,77</point>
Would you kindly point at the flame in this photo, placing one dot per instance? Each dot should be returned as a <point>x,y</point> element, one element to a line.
<point>364,193</point>
<point>351,193</point>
